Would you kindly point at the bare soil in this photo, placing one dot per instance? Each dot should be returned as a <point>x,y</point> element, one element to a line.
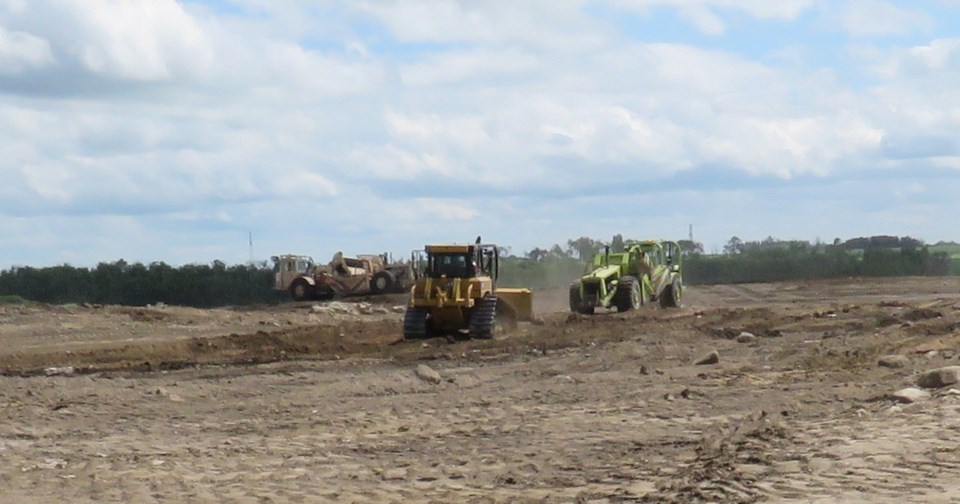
<point>297,403</point>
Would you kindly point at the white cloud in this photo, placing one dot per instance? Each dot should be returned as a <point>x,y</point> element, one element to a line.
<point>873,18</point>
<point>703,19</point>
<point>934,61</point>
<point>474,65</point>
<point>536,23</point>
<point>139,39</point>
<point>446,210</point>
<point>19,50</point>
<point>704,13</point>
<point>164,118</point>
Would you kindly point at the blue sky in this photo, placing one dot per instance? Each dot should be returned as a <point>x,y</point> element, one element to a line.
<point>157,130</point>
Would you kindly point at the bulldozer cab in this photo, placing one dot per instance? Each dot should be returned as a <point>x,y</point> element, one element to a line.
<point>459,261</point>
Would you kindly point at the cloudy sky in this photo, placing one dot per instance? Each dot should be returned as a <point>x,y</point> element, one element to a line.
<point>162,130</point>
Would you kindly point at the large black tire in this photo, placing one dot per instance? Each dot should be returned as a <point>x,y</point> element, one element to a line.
<point>301,290</point>
<point>575,299</point>
<point>670,297</point>
<point>415,323</point>
<point>576,302</point>
<point>483,318</point>
<point>628,295</point>
<point>381,283</point>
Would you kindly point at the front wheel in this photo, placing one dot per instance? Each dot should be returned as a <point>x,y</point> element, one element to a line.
<point>301,290</point>
<point>670,297</point>
<point>576,301</point>
<point>628,295</point>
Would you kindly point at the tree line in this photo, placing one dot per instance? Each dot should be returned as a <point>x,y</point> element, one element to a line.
<point>217,284</point>
<point>136,284</point>
<point>777,260</point>
<point>766,260</point>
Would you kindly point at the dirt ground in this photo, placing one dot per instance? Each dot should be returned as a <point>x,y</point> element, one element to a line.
<point>304,403</point>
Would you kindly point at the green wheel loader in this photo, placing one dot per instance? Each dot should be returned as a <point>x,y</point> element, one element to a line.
<point>646,271</point>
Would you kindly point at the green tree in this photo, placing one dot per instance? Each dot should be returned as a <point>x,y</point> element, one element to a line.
<point>616,244</point>
<point>690,248</point>
<point>584,247</point>
<point>538,254</point>
<point>733,246</point>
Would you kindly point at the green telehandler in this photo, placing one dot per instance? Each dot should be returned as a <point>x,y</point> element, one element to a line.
<point>646,271</point>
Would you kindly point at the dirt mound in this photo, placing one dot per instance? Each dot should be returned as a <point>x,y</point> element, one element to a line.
<point>330,342</point>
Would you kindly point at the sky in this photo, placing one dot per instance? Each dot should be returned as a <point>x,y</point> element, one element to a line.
<point>162,130</point>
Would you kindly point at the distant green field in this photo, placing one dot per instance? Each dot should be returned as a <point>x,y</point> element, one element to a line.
<point>950,248</point>
<point>954,250</point>
<point>11,300</point>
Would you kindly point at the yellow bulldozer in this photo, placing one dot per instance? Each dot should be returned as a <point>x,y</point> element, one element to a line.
<point>456,291</point>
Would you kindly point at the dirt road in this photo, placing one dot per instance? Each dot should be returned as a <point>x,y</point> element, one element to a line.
<point>304,404</point>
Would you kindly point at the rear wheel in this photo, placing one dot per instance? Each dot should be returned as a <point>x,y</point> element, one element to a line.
<point>381,283</point>
<point>670,297</point>
<point>628,296</point>
<point>415,323</point>
<point>301,290</point>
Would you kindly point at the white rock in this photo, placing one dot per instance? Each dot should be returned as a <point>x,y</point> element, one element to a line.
<point>338,307</point>
<point>52,463</point>
<point>746,337</point>
<point>59,371</point>
<point>910,395</point>
<point>941,377</point>
<point>426,373</point>
<point>399,309</point>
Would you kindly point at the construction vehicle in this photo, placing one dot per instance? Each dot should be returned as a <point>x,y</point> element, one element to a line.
<point>646,271</point>
<point>342,276</point>
<point>456,291</point>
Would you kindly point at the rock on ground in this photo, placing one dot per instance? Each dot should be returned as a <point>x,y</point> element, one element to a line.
<point>426,373</point>
<point>893,361</point>
<point>394,474</point>
<point>746,337</point>
<point>910,395</point>
<point>941,377</point>
<point>711,358</point>
<point>59,371</point>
